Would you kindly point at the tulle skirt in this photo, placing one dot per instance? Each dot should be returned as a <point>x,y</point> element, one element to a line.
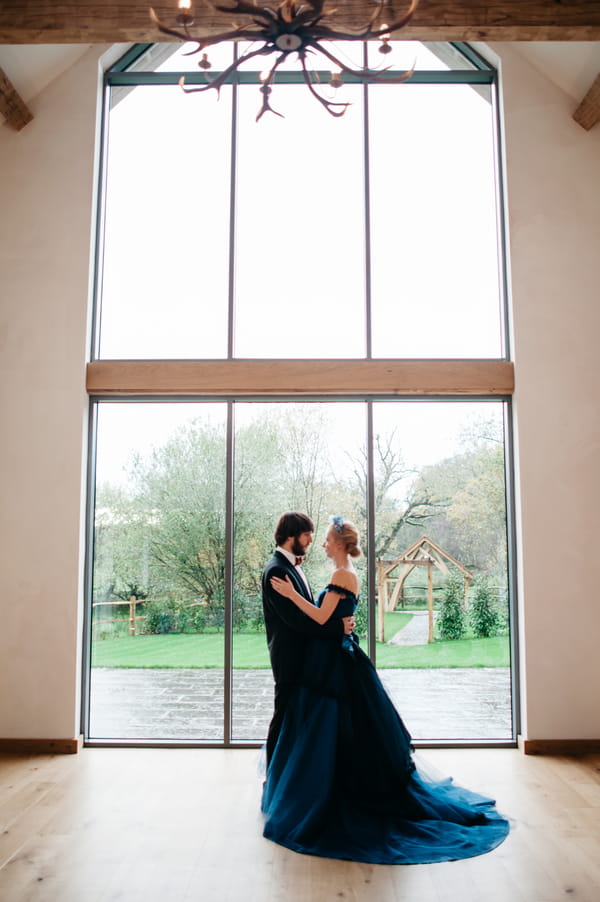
<point>343,783</point>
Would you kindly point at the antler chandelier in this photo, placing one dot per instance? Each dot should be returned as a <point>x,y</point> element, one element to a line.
<point>289,27</point>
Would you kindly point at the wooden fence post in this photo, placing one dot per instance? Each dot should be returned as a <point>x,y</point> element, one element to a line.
<point>132,604</point>
<point>382,599</point>
<point>430,599</point>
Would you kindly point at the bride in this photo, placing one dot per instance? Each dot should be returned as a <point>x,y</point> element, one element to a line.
<point>342,782</point>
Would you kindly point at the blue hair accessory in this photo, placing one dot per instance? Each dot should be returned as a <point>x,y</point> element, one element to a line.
<point>337,522</point>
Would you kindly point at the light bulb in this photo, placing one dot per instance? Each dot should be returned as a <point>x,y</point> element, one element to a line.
<point>184,16</point>
<point>336,80</point>
<point>385,41</point>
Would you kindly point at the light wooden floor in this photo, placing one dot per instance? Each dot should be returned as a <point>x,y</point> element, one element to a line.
<point>172,825</point>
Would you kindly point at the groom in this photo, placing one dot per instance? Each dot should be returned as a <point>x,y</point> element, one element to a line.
<point>288,629</point>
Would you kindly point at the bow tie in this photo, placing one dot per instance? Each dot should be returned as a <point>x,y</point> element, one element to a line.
<point>298,561</point>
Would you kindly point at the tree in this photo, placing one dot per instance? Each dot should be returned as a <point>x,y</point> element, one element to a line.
<point>164,535</point>
<point>470,490</point>
<point>451,618</point>
<point>484,615</point>
<point>281,464</point>
<point>122,563</point>
<point>181,488</point>
<point>395,513</point>
<point>175,505</point>
<point>259,484</point>
<point>478,512</point>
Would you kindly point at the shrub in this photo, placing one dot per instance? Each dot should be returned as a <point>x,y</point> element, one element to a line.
<point>362,619</point>
<point>484,615</point>
<point>170,615</point>
<point>451,619</point>
<point>160,616</point>
<point>198,617</point>
<point>503,612</point>
<point>248,614</point>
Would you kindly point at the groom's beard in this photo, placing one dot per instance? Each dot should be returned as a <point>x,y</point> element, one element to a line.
<point>298,549</point>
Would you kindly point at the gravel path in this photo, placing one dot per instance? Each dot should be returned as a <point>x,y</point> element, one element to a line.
<point>416,631</point>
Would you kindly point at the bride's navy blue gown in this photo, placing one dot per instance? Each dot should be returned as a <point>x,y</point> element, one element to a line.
<point>342,782</point>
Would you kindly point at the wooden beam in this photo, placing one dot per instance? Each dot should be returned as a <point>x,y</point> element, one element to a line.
<point>12,106</point>
<point>587,113</point>
<point>299,378</point>
<point>101,21</point>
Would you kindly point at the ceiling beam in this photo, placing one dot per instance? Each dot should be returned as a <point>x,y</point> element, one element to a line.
<point>99,21</point>
<point>587,113</point>
<point>12,106</point>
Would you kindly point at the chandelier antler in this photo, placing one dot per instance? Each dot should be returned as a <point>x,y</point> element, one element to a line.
<point>289,27</point>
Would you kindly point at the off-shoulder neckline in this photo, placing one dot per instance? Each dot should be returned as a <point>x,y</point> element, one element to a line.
<point>343,589</point>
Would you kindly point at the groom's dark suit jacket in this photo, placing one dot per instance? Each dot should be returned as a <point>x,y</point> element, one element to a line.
<point>288,631</point>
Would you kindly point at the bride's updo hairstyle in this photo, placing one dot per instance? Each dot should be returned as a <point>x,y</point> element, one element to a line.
<point>347,533</point>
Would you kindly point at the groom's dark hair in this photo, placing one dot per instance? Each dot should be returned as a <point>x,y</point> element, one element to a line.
<point>292,524</point>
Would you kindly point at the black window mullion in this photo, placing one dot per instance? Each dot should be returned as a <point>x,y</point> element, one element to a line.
<point>228,579</point>
<point>367,201</point>
<point>371,563</point>
<point>232,217</point>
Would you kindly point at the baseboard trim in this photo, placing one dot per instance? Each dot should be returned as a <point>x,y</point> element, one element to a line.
<point>559,746</point>
<point>42,746</point>
<point>527,746</point>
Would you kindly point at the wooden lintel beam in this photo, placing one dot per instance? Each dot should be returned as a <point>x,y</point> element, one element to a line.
<point>101,21</point>
<point>299,378</point>
<point>12,106</point>
<point>587,113</point>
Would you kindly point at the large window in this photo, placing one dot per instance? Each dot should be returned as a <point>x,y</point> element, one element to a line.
<point>386,218</point>
<point>298,313</point>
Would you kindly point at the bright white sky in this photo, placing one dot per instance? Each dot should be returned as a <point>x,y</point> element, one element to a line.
<point>426,432</point>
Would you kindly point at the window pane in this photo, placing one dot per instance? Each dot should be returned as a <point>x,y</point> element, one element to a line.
<point>435,276</point>
<point>307,457</point>
<point>430,56</point>
<point>166,241</point>
<point>186,57</point>
<point>444,653</point>
<point>158,572</point>
<point>299,232</point>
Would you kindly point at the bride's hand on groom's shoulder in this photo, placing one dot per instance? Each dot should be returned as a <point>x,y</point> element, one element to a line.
<point>282,586</point>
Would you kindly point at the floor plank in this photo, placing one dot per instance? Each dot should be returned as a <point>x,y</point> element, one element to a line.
<point>158,825</point>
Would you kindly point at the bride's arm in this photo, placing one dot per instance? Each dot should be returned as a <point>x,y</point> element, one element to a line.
<point>320,615</point>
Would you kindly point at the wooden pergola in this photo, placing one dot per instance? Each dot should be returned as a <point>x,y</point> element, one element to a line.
<point>422,553</point>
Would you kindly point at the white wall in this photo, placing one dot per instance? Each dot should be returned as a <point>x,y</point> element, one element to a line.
<point>46,191</point>
<point>553,169</point>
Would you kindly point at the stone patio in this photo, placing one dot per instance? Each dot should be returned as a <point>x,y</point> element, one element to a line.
<point>457,703</point>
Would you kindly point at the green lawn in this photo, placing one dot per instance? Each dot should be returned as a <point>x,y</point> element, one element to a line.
<point>180,650</point>
<point>459,653</point>
<point>250,652</point>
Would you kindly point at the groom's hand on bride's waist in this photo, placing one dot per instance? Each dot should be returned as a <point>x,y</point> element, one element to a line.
<point>349,624</point>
